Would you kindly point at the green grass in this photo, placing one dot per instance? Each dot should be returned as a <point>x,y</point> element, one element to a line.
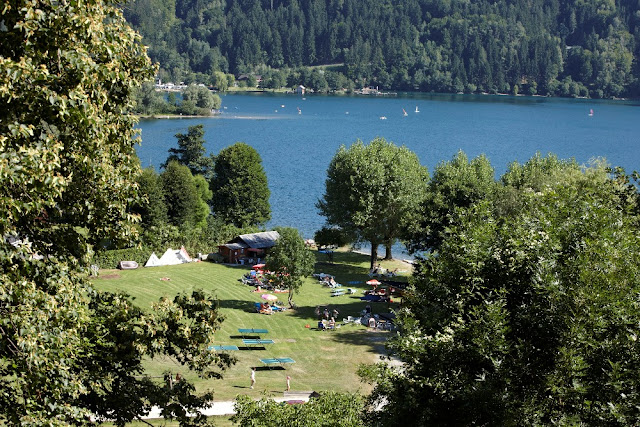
<point>324,360</point>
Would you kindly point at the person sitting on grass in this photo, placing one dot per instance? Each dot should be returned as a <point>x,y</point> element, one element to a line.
<point>321,326</point>
<point>332,323</point>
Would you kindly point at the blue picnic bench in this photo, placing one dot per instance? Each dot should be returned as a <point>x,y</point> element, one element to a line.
<point>251,331</point>
<point>277,361</point>
<point>223,347</point>
<point>249,342</point>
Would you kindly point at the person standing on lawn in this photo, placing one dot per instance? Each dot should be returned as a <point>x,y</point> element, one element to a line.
<point>288,383</point>
<point>253,377</point>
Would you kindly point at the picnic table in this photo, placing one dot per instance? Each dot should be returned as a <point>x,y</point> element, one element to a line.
<point>277,360</point>
<point>223,347</point>
<point>258,342</point>
<point>252,331</point>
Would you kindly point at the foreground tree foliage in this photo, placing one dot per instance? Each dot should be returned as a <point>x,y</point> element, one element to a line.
<point>530,318</point>
<point>240,189</point>
<point>67,174</point>
<point>327,410</point>
<point>373,192</point>
<point>289,261</point>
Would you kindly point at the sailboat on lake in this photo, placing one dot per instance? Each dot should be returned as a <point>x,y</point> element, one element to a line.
<point>417,111</point>
<point>404,112</point>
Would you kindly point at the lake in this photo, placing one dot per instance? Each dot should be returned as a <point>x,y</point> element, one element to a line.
<point>296,146</point>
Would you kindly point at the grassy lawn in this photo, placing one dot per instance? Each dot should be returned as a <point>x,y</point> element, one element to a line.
<point>324,360</point>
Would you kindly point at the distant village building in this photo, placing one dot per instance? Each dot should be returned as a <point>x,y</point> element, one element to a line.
<point>245,78</point>
<point>169,86</point>
<point>300,90</point>
<point>247,248</point>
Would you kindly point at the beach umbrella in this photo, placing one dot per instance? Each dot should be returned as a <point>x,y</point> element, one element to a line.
<point>258,266</point>
<point>374,282</point>
<point>269,297</point>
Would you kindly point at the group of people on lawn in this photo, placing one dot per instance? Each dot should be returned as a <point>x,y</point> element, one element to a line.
<point>327,318</point>
<point>378,270</point>
<point>266,308</point>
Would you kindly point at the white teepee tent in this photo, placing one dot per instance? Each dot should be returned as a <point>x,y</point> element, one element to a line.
<point>183,255</point>
<point>170,258</point>
<point>153,261</point>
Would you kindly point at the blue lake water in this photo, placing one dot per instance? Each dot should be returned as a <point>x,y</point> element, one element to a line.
<point>296,148</point>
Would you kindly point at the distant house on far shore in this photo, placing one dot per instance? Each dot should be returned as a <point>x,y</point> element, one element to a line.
<point>248,247</point>
<point>245,78</point>
<point>300,90</point>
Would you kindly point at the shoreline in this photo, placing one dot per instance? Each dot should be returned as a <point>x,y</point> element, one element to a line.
<point>368,253</point>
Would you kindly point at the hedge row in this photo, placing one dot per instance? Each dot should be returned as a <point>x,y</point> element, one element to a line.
<point>110,259</point>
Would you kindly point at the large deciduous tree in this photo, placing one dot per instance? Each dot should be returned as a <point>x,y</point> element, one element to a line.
<point>289,261</point>
<point>240,189</point>
<point>67,176</point>
<point>374,192</point>
<point>527,318</point>
<point>455,184</point>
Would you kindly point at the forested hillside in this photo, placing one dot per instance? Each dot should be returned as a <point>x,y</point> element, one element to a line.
<point>547,47</point>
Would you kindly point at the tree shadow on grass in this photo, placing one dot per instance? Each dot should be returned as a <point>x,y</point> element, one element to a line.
<point>347,305</point>
<point>372,341</point>
<point>235,304</point>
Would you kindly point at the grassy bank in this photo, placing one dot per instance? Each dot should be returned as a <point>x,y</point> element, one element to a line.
<point>324,360</point>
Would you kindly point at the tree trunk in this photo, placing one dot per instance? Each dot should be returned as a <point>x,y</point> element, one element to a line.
<point>374,254</point>
<point>387,254</point>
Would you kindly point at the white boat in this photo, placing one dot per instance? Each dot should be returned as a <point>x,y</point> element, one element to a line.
<point>591,112</point>
<point>417,111</point>
<point>404,112</point>
<point>383,117</point>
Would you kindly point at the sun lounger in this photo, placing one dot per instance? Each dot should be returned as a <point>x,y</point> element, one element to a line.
<point>277,361</point>
<point>252,342</point>
<point>223,347</point>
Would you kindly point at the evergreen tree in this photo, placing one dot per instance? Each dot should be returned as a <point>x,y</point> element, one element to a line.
<point>151,207</point>
<point>191,152</point>
<point>181,196</point>
<point>240,189</point>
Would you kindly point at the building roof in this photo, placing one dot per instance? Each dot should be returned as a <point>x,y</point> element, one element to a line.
<point>235,245</point>
<point>265,239</point>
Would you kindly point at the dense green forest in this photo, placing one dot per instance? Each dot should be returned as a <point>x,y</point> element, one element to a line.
<point>546,47</point>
